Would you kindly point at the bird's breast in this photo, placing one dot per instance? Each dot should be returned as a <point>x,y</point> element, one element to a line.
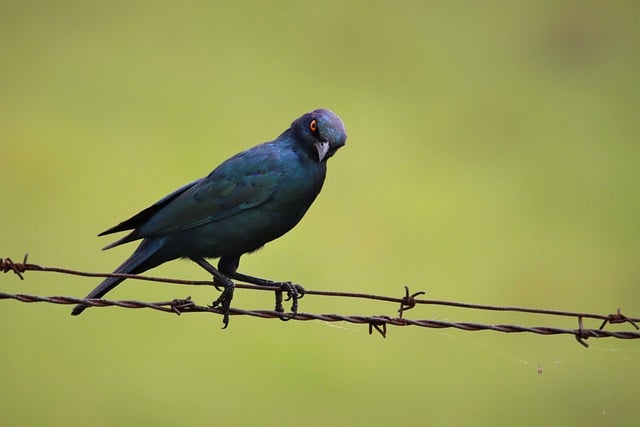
<point>296,190</point>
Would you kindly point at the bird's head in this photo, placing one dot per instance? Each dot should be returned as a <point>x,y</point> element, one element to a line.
<point>321,131</point>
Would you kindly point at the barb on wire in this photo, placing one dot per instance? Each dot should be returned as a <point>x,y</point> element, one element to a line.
<point>378,323</point>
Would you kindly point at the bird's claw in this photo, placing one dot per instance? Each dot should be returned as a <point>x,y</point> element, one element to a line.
<point>224,302</point>
<point>294,293</point>
<point>293,290</point>
<point>217,283</point>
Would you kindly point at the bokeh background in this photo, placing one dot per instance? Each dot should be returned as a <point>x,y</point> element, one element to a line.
<point>493,157</point>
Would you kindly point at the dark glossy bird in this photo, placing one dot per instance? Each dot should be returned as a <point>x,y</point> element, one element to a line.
<point>249,200</point>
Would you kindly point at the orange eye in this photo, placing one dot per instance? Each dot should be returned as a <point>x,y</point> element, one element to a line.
<point>313,125</point>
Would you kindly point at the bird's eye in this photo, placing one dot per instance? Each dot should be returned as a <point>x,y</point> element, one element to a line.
<point>313,126</point>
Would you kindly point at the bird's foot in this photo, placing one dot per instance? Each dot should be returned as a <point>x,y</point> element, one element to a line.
<point>224,301</point>
<point>294,293</point>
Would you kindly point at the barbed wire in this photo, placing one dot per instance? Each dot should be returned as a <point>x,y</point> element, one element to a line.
<point>377,323</point>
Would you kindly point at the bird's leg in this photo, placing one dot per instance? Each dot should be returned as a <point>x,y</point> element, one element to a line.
<point>224,300</point>
<point>293,290</point>
<point>229,266</point>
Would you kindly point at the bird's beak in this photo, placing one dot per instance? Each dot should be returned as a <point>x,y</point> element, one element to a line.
<point>323,149</point>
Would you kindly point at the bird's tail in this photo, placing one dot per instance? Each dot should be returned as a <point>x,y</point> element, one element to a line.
<point>141,260</point>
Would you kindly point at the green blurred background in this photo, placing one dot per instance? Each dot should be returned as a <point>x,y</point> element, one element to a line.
<point>493,157</point>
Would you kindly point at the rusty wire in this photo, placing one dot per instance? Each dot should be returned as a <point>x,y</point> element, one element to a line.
<point>378,323</point>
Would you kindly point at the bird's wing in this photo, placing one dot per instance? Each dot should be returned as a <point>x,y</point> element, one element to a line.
<point>244,181</point>
<point>143,216</point>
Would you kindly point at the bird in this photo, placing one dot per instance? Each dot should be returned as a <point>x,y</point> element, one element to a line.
<point>250,199</point>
